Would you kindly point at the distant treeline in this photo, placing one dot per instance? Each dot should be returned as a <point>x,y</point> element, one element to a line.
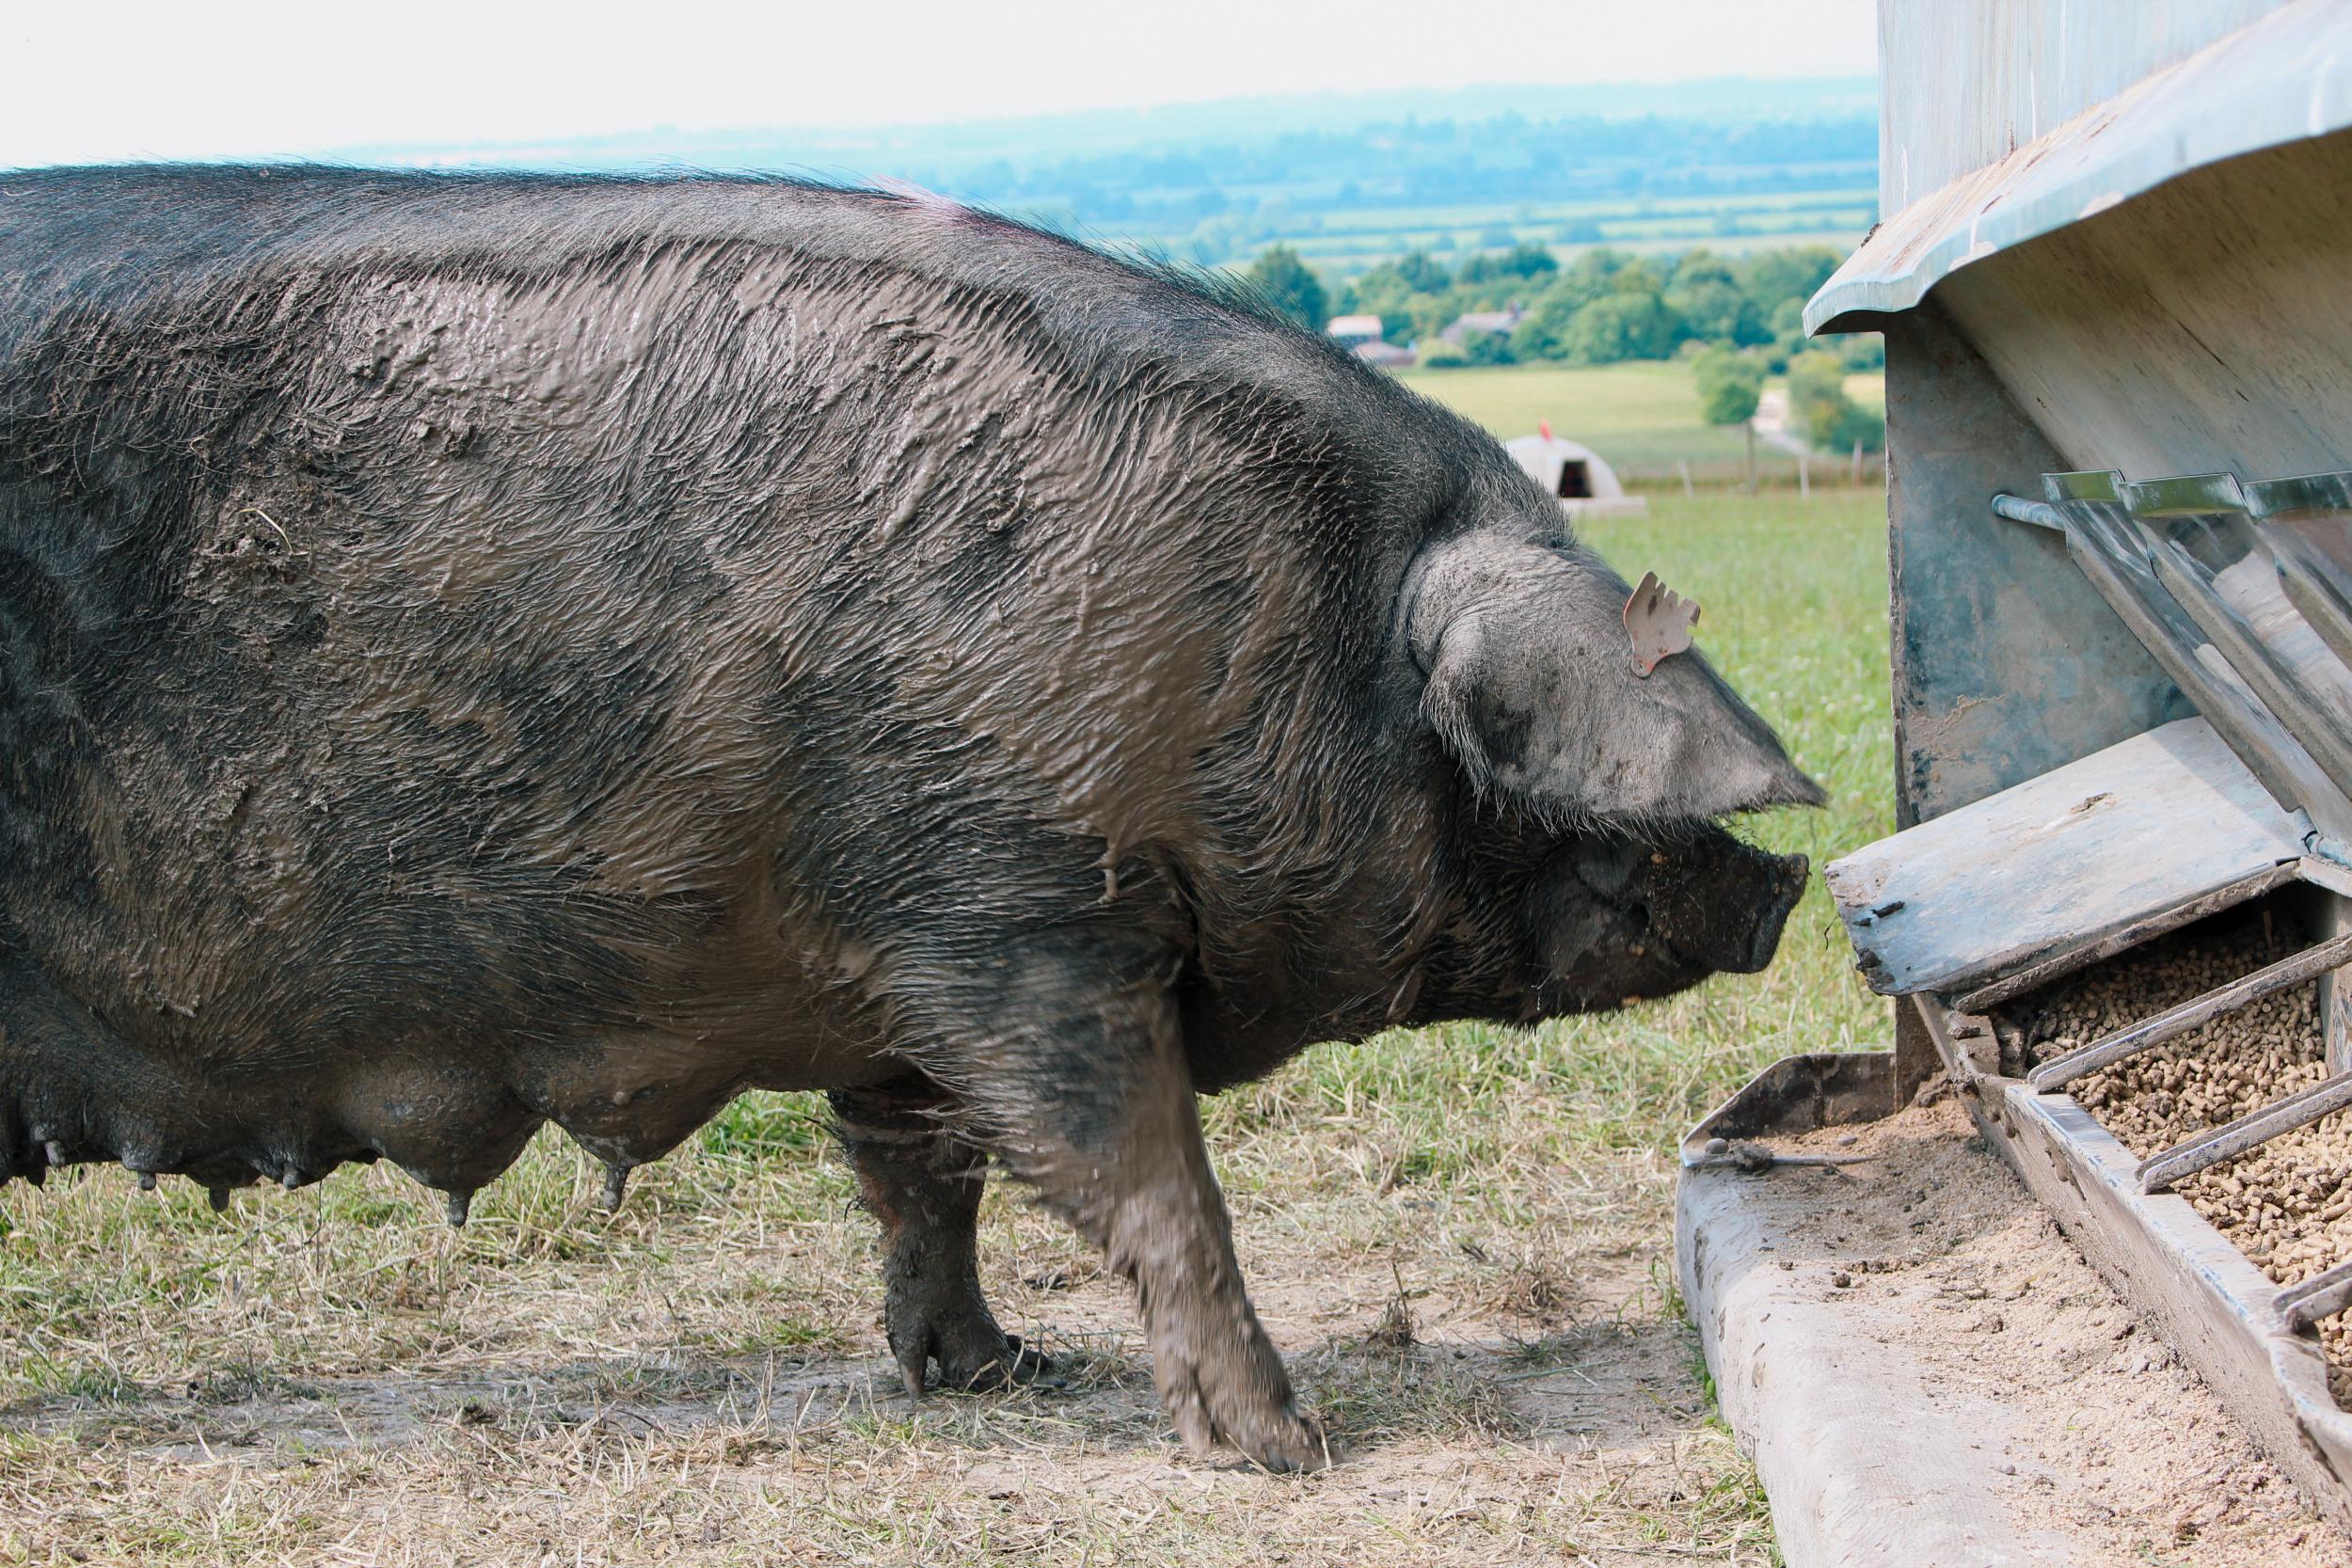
<point>1601,306</point>
<point>1212,183</point>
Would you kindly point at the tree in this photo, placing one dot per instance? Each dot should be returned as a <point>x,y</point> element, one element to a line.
<point>1423,274</point>
<point>1861,351</point>
<point>1290,285</point>
<point>1621,326</point>
<point>1816,380</point>
<point>1790,272</point>
<point>1729,386</point>
<point>1833,422</point>
<point>1854,426</point>
<point>1708,296</point>
<point>1520,261</point>
<point>1543,332</point>
<point>1488,348</point>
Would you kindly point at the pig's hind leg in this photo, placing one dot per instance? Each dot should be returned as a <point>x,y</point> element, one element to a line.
<point>923,1184</point>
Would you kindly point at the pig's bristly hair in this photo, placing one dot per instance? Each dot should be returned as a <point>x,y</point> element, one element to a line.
<point>468,634</point>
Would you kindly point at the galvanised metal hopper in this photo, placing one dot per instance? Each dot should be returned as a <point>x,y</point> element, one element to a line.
<point>2116,286</point>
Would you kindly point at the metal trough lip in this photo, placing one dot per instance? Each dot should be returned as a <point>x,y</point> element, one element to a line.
<point>1796,1094</point>
<point>2294,970</point>
<point>2255,1128</point>
<point>2183,495</point>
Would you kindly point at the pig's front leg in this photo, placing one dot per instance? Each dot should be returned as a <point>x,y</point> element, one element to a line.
<point>1161,1221</point>
<point>1082,1088</point>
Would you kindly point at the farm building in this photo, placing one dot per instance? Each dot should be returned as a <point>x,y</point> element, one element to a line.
<point>1355,331</point>
<point>1587,484</point>
<point>2117,914</point>
<point>1502,323</point>
<point>1385,355</point>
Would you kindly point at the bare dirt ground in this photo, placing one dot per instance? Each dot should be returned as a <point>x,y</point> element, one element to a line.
<point>332,1377</point>
<point>1461,1451</point>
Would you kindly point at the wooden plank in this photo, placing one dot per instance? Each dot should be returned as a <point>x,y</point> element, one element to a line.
<point>2316,599</point>
<point>2056,865</point>
<point>2289,686</point>
<point>2253,590</point>
<point>2017,982</point>
<point>2305,525</point>
<point>2220,695</point>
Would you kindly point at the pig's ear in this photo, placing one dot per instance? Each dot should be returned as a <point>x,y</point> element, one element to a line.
<point>1531,683</point>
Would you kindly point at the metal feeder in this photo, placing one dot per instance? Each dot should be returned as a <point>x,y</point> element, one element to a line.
<point>2119,513</point>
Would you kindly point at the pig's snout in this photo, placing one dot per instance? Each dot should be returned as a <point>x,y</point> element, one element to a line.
<point>1617,918</point>
<point>1716,904</point>
<point>1748,946</point>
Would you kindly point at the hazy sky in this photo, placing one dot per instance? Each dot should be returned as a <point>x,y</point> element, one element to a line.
<point>104,79</point>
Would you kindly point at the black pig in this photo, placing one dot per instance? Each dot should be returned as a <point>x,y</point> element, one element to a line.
<point>476,651</point>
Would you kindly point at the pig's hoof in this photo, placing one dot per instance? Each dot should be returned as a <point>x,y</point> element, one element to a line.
<point>1285,1444</point>
<point>1016,1363</point>
<point>974,1358</point>
<point>1276,1437</point>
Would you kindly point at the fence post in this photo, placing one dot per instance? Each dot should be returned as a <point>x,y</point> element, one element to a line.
<point>1857,463</point>
<point>1690,492</point>
<point>1804,478</point>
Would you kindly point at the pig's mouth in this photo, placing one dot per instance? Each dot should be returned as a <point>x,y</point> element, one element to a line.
<point>1617,919</point>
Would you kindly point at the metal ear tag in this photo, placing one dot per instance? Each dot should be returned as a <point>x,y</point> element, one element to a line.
<point>1657,620</point>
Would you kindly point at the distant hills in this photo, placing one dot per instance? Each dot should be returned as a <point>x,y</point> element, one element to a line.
<point>1345,178</point>
<point>961,145</point>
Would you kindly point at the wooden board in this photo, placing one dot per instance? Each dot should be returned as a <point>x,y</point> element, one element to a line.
<point>2062,862</point>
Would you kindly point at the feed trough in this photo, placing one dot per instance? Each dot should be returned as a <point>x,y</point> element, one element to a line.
<point>2118,916</point>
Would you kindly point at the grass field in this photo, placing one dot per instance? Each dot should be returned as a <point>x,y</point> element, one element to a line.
<point>1641,417</point>
<point>1459,1235</point>
<point>1342,241</point>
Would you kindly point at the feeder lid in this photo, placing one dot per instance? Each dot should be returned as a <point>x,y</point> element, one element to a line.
<point>2162,823</point>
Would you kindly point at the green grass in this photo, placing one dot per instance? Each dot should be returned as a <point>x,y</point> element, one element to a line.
<point>1641,417</point>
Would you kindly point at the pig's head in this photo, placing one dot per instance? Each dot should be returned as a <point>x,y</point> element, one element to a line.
<point>1596,793</point>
